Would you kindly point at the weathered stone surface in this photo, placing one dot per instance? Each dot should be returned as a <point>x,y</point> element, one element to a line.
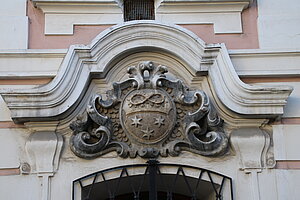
<point>56,100</point>
<point>149,115</point>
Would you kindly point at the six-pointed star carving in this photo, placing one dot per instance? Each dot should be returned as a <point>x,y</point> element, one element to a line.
<point>148,133</point>
<point>159,121</point>
<point>136,121</point>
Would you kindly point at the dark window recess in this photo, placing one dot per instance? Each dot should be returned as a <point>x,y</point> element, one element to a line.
<point>138,10</point>
<point>153,183</point>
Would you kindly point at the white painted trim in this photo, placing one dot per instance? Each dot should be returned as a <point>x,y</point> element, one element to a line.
<point>204,12</point>
<point>260,62</point>
<point>247,62</point>
<point>30,63</point>
<point>54,100</point>
<point>243,98</point>
<point>62,15</point>
<point>26,52</point>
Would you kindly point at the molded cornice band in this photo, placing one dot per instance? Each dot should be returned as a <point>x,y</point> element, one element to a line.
<point>56,100</point>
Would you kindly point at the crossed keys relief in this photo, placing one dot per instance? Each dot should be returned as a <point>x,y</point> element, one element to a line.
<point>148,115</point>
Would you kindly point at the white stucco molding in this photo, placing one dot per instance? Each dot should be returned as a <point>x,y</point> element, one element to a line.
<point>60,97</point>
<point>247,62</point>
<point>43,149</point>
<point>223,14</point>
<point>62,15</point>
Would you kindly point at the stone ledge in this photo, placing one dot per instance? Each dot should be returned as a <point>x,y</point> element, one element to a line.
<point>247,63</point>
<point>57,99</point>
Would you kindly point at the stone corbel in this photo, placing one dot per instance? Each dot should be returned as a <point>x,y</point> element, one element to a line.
<point>43,149</point>
<point>254,147</point>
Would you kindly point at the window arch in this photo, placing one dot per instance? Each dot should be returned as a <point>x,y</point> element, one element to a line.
<point>153,181</point>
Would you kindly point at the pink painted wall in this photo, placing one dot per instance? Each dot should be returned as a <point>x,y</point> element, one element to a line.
<point>37,39</point>
<point>247,40</point>
<point>84,34</point>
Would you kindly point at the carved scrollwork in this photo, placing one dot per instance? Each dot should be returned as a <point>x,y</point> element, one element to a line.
<point>149,115</point>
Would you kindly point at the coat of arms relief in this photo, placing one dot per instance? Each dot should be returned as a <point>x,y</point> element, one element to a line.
<point>148,115</point>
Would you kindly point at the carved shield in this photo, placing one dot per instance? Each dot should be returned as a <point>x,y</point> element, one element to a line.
<point>148,115</point>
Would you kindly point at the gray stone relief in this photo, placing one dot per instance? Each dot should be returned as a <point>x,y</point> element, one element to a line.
<point>148,115</point>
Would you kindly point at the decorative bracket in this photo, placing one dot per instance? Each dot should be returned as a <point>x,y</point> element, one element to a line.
<point>148,115</point>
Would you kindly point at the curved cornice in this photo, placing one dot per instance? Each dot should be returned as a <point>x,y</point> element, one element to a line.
<point>82,63</point>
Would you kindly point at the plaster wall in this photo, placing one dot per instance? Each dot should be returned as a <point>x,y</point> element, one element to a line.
<point>273,16</point>
<point>286,140</point>
<point>248,184</point>
<point>14,21</point>
<point>278,28</point>
<point>20,187</point>
<point>12,154</point>
<point>5,113</point>
<point>288,182</point>
<point>83,34</point>
<point>72,167</point>
<point>293,101</point>
<point>278,24</point>
<point>9,143</point>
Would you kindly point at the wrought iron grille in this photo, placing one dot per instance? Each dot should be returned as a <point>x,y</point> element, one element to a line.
<point>152,181</point>
<point>138,10</point>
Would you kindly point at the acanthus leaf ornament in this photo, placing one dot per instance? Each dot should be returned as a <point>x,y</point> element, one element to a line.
<point>148,115</point>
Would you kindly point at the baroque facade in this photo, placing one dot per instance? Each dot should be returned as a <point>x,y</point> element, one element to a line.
<point>158,99</point>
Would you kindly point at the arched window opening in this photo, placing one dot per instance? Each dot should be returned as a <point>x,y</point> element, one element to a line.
<point>138,10</point>
<point>153,181</point>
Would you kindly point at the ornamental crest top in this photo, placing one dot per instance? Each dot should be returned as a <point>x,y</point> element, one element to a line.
<point>148,115</point>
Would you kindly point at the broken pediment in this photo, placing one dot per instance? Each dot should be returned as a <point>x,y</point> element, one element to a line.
<point>198,73</point>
